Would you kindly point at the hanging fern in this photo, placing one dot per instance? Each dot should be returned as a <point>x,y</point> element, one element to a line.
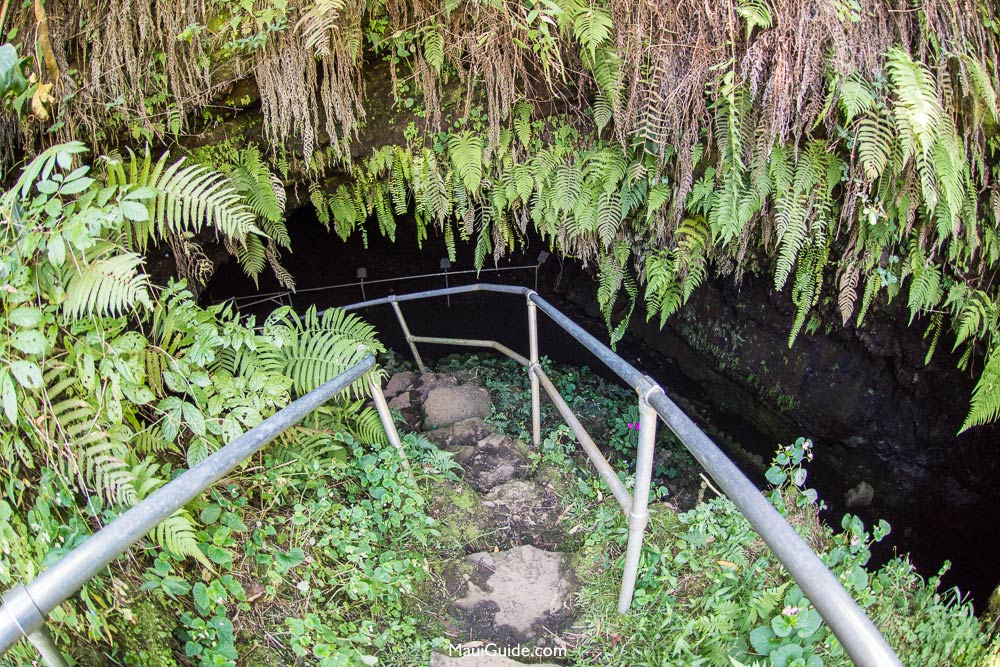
<point>466,152</point>
<point>262,192</point>
<point>106,282</point>
<point>186,198</point>
<point>986,396</point>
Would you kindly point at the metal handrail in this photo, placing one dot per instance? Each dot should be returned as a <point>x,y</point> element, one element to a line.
<point>280,297</point>
<point>857,634</point>
<point>25,607</point>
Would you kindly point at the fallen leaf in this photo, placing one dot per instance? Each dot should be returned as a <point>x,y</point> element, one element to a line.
<point>40,99</point>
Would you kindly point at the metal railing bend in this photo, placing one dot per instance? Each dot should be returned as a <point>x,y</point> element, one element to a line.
<point>25,607</point>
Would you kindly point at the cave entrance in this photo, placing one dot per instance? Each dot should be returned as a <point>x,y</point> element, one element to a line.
<point>320,259</point>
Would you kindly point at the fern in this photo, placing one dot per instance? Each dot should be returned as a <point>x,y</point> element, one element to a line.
<point>106,283</point>
<point>609,217</point>
<point>985,406</point>
<point>433,43</point>
<point>466,152</point>
<point>918,110</point>
<point>262,192</point>
<point>592,28</point>
<point>90,450</point>
<point>756,13</point>
<point>318,22</point>
<point>314,349</point>
<point>318,200</point>
<point>186,198</point>
<point>925,289</point>
<point>874,145</point>
<point>791,227</point>
<point>856,98</point>
<point>177,534</point>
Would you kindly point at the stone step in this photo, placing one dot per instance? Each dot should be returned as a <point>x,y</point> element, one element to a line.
<point>514,598</point>
<point>473,660</point>
<point>525,512</point>
<point>492,461</point>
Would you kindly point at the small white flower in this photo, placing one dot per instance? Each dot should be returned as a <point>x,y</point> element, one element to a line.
<point>790,610</point>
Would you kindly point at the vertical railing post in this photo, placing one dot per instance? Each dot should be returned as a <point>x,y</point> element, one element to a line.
<point>639,516</point>
<point>536,400</point>
<point>409,337</point>
<point>42,640</point>
<point>383,412</point>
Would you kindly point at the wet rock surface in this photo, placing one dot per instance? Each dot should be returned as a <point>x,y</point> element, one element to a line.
<point>514,590</point>
<point>472,660</point>
<point>517,596</point>
<point>446,405</point>
<point>493,460</point>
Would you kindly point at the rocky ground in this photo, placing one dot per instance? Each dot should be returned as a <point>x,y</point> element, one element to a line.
<point>511,584</point>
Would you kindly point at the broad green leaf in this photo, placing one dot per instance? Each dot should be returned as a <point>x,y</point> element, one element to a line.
<point>27,373</point>
<point>57,250</point>
<point>210,514</point>
<point>8,65</point>
<point>201,598</point>
<point>134,211</point>
<point>193,417</point>
<point>29,341</point>
<point>8,396</point>
<point>175,586</point>
<point>76,186</point>
<point>25,316</point>
<point>292,558</point>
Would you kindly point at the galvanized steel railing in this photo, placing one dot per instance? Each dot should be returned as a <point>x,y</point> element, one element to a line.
<point>25,607</point>
<point>860,638</point>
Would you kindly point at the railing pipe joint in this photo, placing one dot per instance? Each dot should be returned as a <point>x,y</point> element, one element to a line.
<point>21,607</point>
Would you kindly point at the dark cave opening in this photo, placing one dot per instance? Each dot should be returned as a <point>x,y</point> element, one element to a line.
<point>928,530</point>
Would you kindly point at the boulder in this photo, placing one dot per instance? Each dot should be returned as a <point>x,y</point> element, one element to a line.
<point>446,405</point>
<point>474,659</point>
<point>525,512</point>
<point>398,383</point>
<point>859,496</point>
<point>492,461</point>
<point>460,434</point>
<point>516,597</point>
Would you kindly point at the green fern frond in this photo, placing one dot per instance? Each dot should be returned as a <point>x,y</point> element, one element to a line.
<point>917,109</point>
<point>314,349</point>
<point>985,406</point>
<point>433,43</point>
<point>874,145</point>
<point>177,534</point>
<point>107,283</point>
<point>856,98</point>
<point>925,288</point>
<point>186,198</point>
<point>87,448</point>
<point>318,199</point>
<point>790,222</point>
<point>251,254</point>
<point>260,191</point>
<point>318,22</point>
<point>592,27</point>
<point>465,150</point>
<point>983,92</point>
<point>756,13</point>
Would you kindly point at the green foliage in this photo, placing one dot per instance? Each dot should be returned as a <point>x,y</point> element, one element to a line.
<point>110,386</point>
<point>313,349</point>
<point>711,593</point>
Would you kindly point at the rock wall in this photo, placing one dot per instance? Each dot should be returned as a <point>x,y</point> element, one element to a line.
<point>885,424</point>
